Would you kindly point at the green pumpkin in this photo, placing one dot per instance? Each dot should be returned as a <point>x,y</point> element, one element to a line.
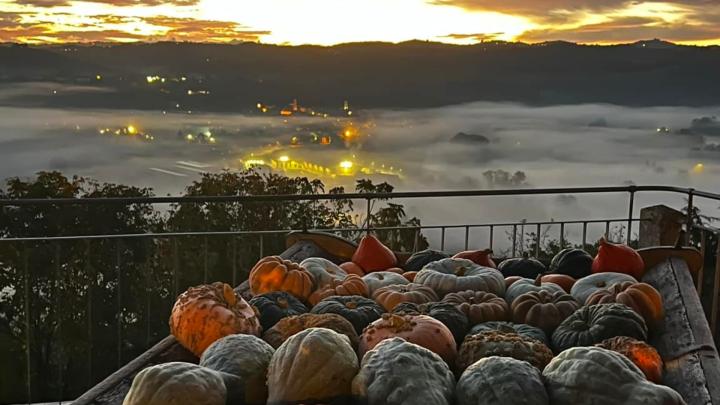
<point>501,381</point>
<point>246,357</point>
<point>418,260</point>
<point>593,324</point>
<point>586,286</point>
<point>397,372</point>
<point>486,344</point>
<point>528,267</point>
<point>177,383</point>
<point>359,311</point>
<point>444,312</point>
<point>575,263</point>
<point>509,327</point>
<point>379,279</point>
<point>274,306</point>
<point>453,275</point>
<point>597,376</point>
<point>527,285</point>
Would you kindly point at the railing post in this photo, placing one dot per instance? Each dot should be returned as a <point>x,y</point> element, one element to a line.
<point>118,264</point>
<point>514,240</point>
<point>659,226</point>
<point>442,238</point>
<point>28,332</point>
<point>492,231</point>
<point>367,219</point>
<point>562,235</point>
<point>467,237</point>
<point>630,214</point>
<point>537,241</point>
<point>91,277</point>
<point>689,219</point>
<point>584,235</point>
<point>176,264</point>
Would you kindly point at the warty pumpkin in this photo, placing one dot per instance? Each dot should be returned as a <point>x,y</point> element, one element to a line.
<point>350,285</point>
<point>371,255</point>
<point>526,266</point>
<point>273,273</point>
<point>389,297</point>
<point>453,318</point>
<point>419,329</point>
<point>593,324</point>
<point>479,306</point>
<point>575,263</point>
<point>543,309</point>
<point>584,287</point>
<point>176,383</point>
<point>618,258</point>
<point>359,311</point>
<point>314,365</point>
<point>380,279</point>
<point>614,380</point>
<point>641,297</point>
<point>291,325</point>
<point>498,380</point>
<point>480,257</point>
<point>510,327</point>
<point>206,313</point>
<point>454,275</point>
<point>527,285</point>
<point>644,356</point>
<point>324,271</point>
<point>493,343</point>
<point>397,372</point>
<point>273,306</point>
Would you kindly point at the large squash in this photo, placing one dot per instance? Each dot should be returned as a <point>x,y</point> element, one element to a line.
<point>389,297</point>
<point>444,312</point>
<point>479,306</point>
<point>274,306</point>
<point>509,327</point>
<point>371,255</point>
<point>323,271</point>
<point>204,314</point>
<point>480,257</point>
<point>595,323</point>
<point>486,344</point>
<point>397,372</point>
<point>543,309</point>
<point>289,326</point>
<point>176,383</point>
<point>273,273</point>
<point>418,260</point>
<point>453,275</point>
<point>618,258</point>
<point>597,376</point>
<point>359,311</point>
<point>584,287</point>
<point>350,285</point>
<point>501,381</point>
<point>563,280</point>
<point>575,263</point>
<point>640,353</point>
<point>246,357</point>
<point>315,365</point>
<point>642,298</point>
<point>380,279</point>
<point>526,266</point>
<point>527,285</point>
<point>419,329</point>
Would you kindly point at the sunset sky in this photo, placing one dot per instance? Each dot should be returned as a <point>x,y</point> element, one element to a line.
<point>328,22</point>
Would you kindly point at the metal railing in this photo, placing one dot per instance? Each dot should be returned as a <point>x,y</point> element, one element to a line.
<point>126,283</point>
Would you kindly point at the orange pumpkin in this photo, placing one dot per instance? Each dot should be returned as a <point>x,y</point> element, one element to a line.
<point>397,270</point>
<point>389,297</point>
<point>640,353</point>
<point>481,257</point>
<point>203,314</point>
<point>410,275</point>
<point>480,306</point>
<point>618,258</point>
<point>371,255</point>
<point>352,268</point>
<point>563,280</point>
<point>273,273</point>
<point>641,297</point>
<point>351,285</point>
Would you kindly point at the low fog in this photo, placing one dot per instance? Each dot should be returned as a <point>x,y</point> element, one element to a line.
<point>560,146</point>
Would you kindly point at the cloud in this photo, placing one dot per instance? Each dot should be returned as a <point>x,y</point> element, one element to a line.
<point>118,3</point>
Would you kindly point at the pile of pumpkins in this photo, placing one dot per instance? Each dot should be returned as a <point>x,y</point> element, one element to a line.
<point>440,330</point>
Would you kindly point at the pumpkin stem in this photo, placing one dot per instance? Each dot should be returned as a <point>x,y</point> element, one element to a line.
<point>229,295</point>
<point>351,304</point>
<point>282,303</point>
<point>526,255</point>
<point>538,280</point>
<point>460,271</point>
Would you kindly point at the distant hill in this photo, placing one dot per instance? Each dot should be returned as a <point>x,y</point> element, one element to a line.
<point>406,75</point>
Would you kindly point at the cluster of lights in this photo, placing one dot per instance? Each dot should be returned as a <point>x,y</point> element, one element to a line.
<point>154,79</point>
<point>129,130</point>
<point>205,136</point>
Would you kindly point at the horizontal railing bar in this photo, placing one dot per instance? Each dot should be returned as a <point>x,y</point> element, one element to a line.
<point>161,235</point>
<point>707,228</point>
<point>350,196</point>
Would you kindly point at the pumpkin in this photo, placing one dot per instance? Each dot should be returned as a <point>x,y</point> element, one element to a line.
<point>359,311</point>
<point>246,357</point>
<point>512,280</point>
<point>289,326</point>
<point>397,372</point>
<point>479,306</point>
<point>380,279</point>
<point>371,255</point>
<point>641,297</point>
<point>316,364</point>
<point>444,312</point>
<point>419,329</point>
<point>389,297</point>
<point>575,263</point>
<point>509,327</point>
<point>618,258</point>
<point>176,383</point>
<point>324,271</point>
<point>593,375</point>
<point>352,268</point>
<point>273,306</point>
<point>453,275</point>
<point>527,285</point>
<point>273,273</point>
<point>396,270</point>
<point>543,309</point>
<point>564,281</point>
<point>644,356</point>
<point>493,343</point>
<point>351,285</point>
<point>593,324</point>
<point>501,380</point>
<point>204,314</point>
<point>418,260</point>
<point>480,257</point>
<point>583,288</point>
<point>410,275</point>
<point>528,267</point>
